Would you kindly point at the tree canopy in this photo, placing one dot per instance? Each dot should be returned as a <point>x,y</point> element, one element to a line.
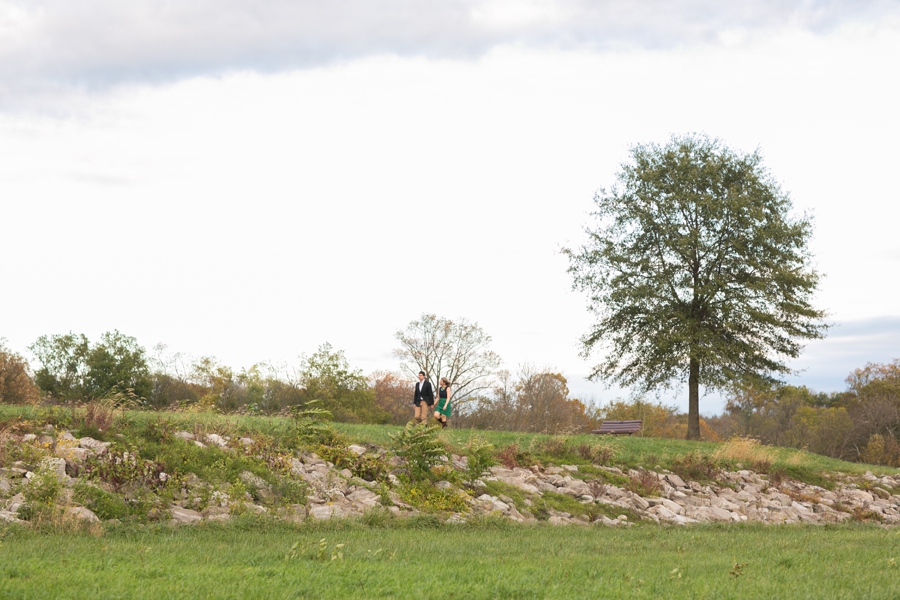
<point>695,269</point>
<point>73,368</point>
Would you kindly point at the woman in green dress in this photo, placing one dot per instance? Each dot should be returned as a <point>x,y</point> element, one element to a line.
<point>443,407</point>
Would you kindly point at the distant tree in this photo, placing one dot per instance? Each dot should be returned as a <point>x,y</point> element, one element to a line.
<point>117,361</point>
<point>72,368</point>
<point>326,375</point>
<point>457,350</point>
<point>543,403</point>
<point>393,394</point>
<point>534,400</point>
<point>16,385</point>
<point>695,270</point>
<point>63,360</point>
<point>171,379</point>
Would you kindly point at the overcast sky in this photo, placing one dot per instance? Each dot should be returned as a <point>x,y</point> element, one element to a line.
<point>249,180</point>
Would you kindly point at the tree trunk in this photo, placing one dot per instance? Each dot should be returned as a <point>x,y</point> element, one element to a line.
<point>693,428</point>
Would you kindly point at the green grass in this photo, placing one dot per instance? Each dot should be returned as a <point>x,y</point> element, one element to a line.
<point>423,559</point>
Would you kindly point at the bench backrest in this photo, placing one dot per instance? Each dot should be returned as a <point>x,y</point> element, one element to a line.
<point>617,427</point>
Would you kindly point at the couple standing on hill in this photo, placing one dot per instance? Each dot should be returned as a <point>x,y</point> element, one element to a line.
<point>423,400</point>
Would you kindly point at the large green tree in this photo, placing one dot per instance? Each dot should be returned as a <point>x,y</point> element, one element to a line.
<point>695,269</point>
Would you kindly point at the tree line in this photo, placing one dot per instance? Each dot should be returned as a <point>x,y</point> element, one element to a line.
<point>71,368</point>
<point>861,423</point>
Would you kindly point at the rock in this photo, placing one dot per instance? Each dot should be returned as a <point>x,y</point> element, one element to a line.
<point>245,441</point>
<point>57,465</point>
<point>13,472</point>
<point>82,514</point>
<point>92,444</point>
<point>675,480</point>
<point>218,440</point>
<point>638,502</point>
<point>347,473</point>
<point>325,511</point>
<point>184,516</point>
<point>603,520</point>
<point>364,497</point>
<point>184,435</point>
<point>66,436</point>
<point>883,494</point>
<point>672,506</point>
<point>199,444</point>
<point>29,437</point>
<point>622,518</point>
<point>710,513</point>
<point>443,485</point>
<point>252,480</point>
<point>662,512</point>
<point>70,453</point>
<point>357,450</point>
<point>570,468</point>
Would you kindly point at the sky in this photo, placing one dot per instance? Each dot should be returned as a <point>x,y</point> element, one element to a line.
<point>250,180</point>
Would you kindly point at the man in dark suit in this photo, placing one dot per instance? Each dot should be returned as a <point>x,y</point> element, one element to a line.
<point>423,399</point>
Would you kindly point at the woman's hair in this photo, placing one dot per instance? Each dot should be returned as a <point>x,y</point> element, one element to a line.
<point>445,381</point>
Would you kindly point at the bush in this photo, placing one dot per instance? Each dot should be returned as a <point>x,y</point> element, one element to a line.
<point>421,448</point>
<point>479,457</point>
<point>44,487</point>
<point>312,425</point>
<point>646,483</point>
<point>512,457</point>
<point>695,467</point>
<point>104,504</point>
<point>596,453</point>
<point>120,468</point>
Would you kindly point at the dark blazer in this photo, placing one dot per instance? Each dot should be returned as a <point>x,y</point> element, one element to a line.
<point>426,394</point>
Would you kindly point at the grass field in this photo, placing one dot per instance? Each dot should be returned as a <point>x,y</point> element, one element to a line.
<point>380,556</point>
<point>422,559</point>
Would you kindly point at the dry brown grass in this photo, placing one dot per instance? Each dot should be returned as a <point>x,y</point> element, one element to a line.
<point>745,450</point>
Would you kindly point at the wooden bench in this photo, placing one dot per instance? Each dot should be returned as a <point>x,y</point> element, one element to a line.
<point>619,427</point>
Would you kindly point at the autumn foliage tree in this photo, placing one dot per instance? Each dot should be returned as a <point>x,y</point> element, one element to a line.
<point>16,385</point>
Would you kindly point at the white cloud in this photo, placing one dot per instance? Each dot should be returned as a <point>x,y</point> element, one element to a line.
<point>50,45</point>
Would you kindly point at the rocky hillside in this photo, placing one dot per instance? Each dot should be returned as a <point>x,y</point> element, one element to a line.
<point>58,476</point>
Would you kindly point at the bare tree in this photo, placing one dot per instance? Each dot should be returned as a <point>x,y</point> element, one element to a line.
<point>457,350</point>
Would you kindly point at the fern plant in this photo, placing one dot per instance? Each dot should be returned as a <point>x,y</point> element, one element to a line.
<point>311,423</point>
<point>479,457</point>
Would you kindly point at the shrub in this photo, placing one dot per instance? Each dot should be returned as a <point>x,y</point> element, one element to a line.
<point>426,497</point>
<point>556,446</point>
<point>596,453</point>
<point>695,467</point>
<point>645,483</point>
<point>366,466</point>
<point>104,504</point>
<point>512,457</point>
<point>120,468</point>
<point>311,424</point>
<point>421,448</point>
<point>44,487</point>
<point>479,457</point>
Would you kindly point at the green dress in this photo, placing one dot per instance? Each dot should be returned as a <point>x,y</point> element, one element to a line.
<point>443,405</point>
